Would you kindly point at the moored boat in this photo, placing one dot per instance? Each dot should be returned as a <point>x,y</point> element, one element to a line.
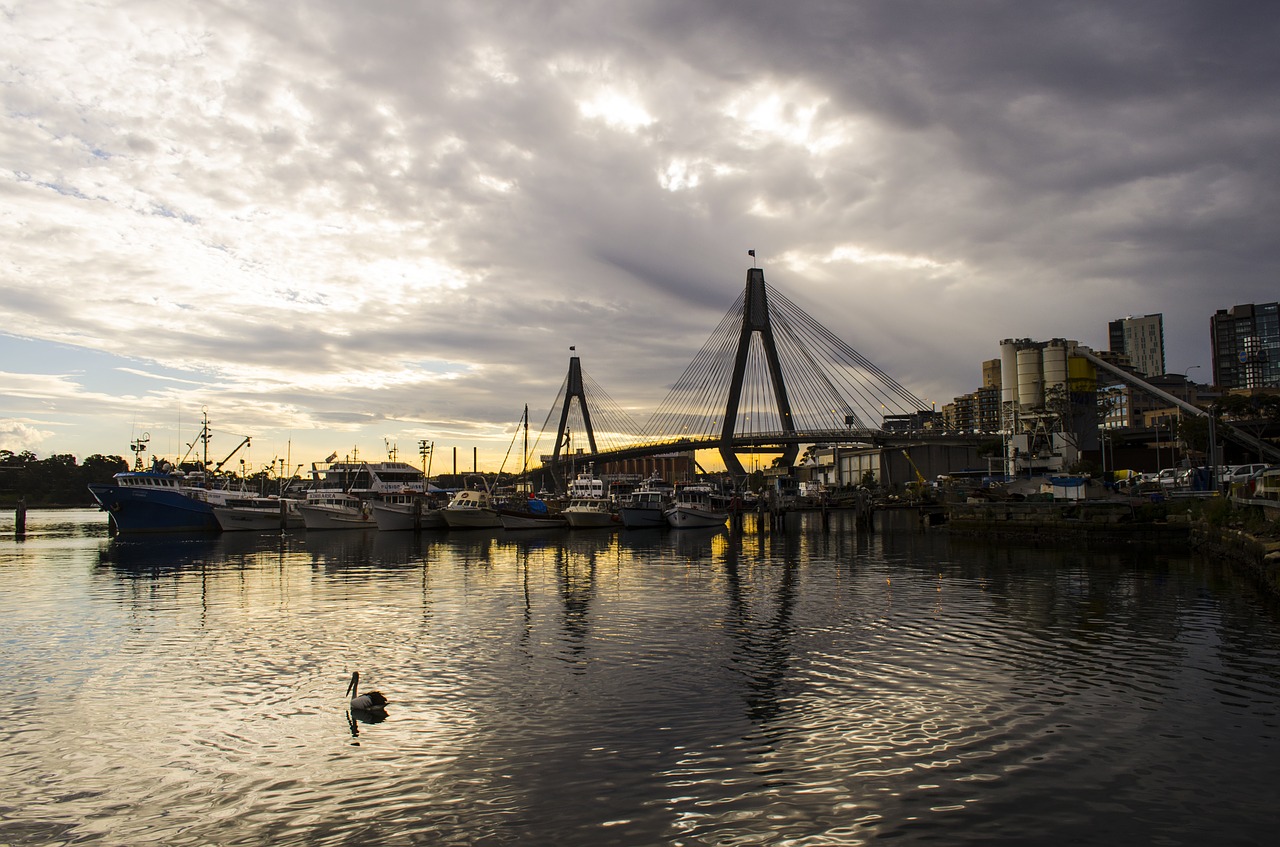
<point>343,493</point>
<point>588,506</point>
<point>645,506</point>
<point>336,510</point>
<point>532,514</point>
<point>258,513</point>
<point>471,509</point>
<point>587,484</point>
<point>404,511</point>
<point>165,498</point>
<point>161,499</point>
<point>693,507</point>
<point>589,512</point>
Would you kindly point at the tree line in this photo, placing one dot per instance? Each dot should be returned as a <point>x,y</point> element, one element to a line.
<point>59,480</point>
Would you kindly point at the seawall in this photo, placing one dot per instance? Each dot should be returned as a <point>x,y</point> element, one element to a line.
<point>1035,522</point>
<point>1259,555</point>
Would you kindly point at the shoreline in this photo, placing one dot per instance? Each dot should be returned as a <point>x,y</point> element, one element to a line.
<point>1261,556</point>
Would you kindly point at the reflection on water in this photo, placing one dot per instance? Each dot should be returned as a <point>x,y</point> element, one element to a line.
<point>629,687</point>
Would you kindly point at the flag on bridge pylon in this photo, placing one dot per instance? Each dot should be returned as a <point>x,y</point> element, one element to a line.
<point>751,253</point>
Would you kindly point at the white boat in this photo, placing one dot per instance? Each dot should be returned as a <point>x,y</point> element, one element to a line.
<point>588,507</point>
<point>471,509</point>
<point>585,512</point>
<point>407,511</point>
<point>342,493</point>
<point>645,506</point>
<point>258,513</point>
<point>336,510</point>
<point>693,507</point>
<point>587,485</point>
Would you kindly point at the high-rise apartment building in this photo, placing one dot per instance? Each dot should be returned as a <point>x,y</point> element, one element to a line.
<point>1246,346</point>
<point>991,376</point>
<point>1142,340</point>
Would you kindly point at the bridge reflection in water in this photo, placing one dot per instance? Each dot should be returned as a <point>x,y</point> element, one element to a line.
<point>815,686</point>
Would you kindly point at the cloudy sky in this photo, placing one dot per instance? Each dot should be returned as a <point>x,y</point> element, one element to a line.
<point>340,224</point>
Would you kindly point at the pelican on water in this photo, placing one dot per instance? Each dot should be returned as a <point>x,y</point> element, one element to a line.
<point>374,701</point>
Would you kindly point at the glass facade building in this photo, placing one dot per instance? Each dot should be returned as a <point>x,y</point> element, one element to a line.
<point>1246,346</point>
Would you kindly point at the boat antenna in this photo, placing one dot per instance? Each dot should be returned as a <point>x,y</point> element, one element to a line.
<point>139,446</point>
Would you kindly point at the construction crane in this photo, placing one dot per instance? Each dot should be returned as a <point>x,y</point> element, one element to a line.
<point>921,485</point>
<point>920,480</point>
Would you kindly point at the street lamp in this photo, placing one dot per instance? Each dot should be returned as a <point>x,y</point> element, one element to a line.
<point>1187,371</point>
<point>1157,423</point>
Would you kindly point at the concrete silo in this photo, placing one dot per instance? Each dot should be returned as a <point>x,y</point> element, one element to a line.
<point>1008,371</point>
<point>1055,370</point>
<point>1030,377</point>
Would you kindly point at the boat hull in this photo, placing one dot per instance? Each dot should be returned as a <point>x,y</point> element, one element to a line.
<point>136,510</point>
<point>471,518</point>
<point>517,521</point>
<point>634,517</point>
<point>233,519</point>
<point>400,517</point>
<point>589,519</point>
<point>683,517</point>
<point>325,517</point>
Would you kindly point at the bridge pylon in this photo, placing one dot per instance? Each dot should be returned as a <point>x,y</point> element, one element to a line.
<point>755,319</point>
<point>573,390</point>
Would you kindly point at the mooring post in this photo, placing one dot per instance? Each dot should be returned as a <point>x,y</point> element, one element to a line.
<point>20,517</point>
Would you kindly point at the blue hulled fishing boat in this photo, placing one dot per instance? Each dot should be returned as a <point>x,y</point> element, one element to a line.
<point>159,499</point>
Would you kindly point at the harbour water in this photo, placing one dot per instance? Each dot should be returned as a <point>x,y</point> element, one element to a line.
<point>813,687</point>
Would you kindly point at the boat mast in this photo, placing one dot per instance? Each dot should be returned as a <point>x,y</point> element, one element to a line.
<point>202,438</point>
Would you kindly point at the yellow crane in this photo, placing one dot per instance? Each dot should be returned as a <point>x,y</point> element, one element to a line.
<point>906,454</point>
<point>921,485</point>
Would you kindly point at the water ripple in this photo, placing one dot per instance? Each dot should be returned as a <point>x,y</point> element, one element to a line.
<point>818,687</point>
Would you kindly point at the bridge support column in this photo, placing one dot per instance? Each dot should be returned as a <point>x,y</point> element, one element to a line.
<point>755,319</point>
<point>573,390</point>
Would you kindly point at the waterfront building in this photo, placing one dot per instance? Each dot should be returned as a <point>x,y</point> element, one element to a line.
<point>1126,406</point>
<point>987,417</point>
<point>1246,346</point>
<point>895,466</point>
<point>958,416</point>
<point>992,377</point>
<point>1141,339</point>
<point>949,412</point>
<point>980,410</point>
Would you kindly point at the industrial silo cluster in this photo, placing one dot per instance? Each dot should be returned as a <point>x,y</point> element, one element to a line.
<point>1031,371</point>
<point>1048,400</point>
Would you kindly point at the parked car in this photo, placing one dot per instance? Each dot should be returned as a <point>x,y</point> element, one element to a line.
<point>1243,473</point>
<point>1199,479</point>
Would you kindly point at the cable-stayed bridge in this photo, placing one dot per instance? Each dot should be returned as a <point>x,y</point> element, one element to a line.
<point>768,379</point>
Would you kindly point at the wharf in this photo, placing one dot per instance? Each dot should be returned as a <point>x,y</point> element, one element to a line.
<point>1105,521</point>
